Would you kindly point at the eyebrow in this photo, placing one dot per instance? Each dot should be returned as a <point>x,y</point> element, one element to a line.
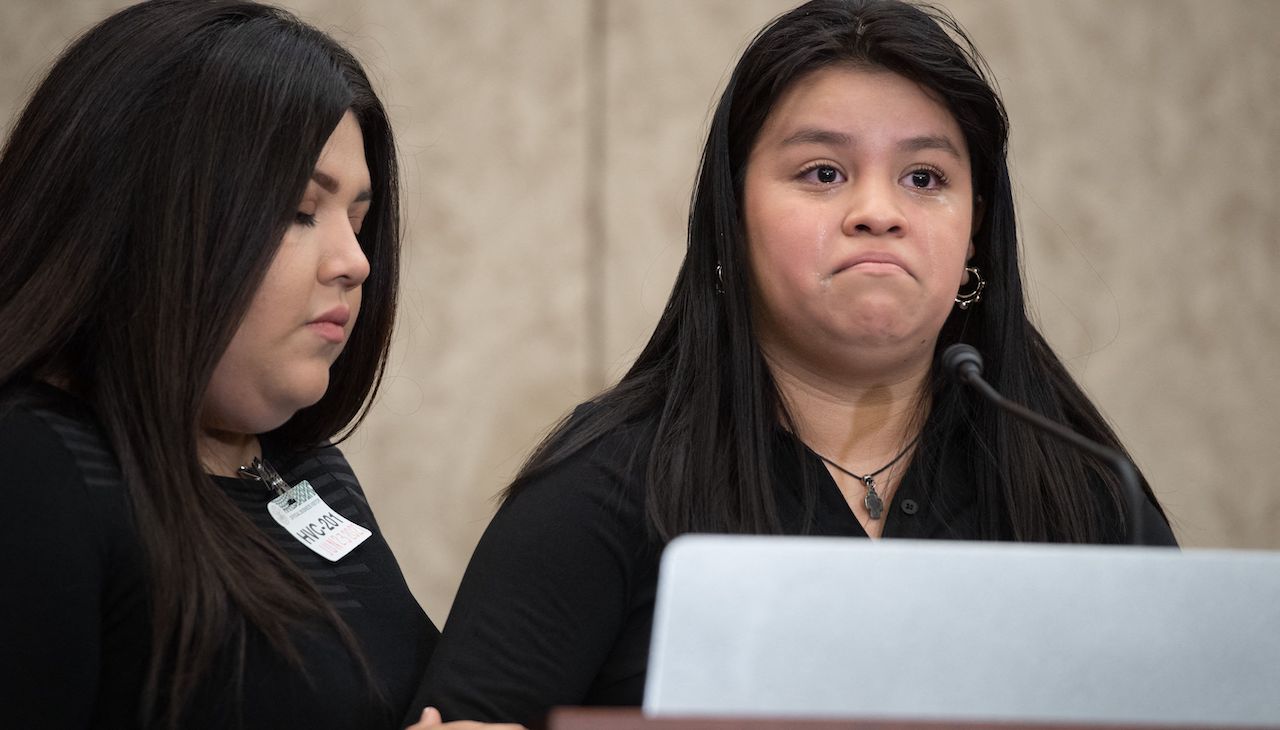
<point>929,142</point>
<point>812,135</point>
<point>330,184</point>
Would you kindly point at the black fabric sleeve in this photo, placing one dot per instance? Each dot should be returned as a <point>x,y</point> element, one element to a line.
<point>1155,532</point>
<point>57,553</point>
<point>1113,508</point>
<point>545,597</point>
<point>1155,528</point>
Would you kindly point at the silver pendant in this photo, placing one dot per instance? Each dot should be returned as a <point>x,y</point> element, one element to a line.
<point>873,503</point>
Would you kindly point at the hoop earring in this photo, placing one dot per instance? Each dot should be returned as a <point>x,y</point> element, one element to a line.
<point>719,279</point>
<point>971,297</point>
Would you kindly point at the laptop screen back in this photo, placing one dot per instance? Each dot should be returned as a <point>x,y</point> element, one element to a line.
<point>831,627</point>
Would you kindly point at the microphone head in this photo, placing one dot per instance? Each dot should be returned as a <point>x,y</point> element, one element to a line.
<point>961,360</point>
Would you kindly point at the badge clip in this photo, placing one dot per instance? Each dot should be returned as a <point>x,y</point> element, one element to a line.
<point>260,470</point>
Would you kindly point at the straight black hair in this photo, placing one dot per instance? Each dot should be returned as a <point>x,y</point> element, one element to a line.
<point>702,376</point>
<point>144,191</point>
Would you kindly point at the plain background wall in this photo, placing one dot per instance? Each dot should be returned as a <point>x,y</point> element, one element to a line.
<point>549,148</point>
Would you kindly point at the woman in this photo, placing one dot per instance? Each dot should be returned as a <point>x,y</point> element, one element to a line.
<point>200,234</point>
<point>852,218</point>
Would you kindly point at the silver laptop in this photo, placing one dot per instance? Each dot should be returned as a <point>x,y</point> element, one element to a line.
<point>832,627</point>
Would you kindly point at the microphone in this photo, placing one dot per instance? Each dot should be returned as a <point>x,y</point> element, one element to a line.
<point>963,363</point>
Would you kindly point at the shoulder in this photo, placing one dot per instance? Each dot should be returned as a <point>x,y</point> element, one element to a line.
<point>320,465</point>
<point>329,473</point>
<point>564,569</point>
<point>594,465</point>
<point>71,558</point>
<point>590,500</point>
<point>52,448</point>
<point>1113,504</point>
<point>575,528</point>
<point>62,483</point>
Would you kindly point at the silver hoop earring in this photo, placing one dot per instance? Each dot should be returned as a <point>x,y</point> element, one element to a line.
<point>966,298</point>
<point>719,279</point>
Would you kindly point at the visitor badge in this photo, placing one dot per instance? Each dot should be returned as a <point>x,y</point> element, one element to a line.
<point>315,524</point>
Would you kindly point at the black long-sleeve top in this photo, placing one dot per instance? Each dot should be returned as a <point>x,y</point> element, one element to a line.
<point>557,603</point>
<point>74,615</point>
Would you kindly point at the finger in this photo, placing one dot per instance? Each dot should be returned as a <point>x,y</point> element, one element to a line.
<point>429,718</point>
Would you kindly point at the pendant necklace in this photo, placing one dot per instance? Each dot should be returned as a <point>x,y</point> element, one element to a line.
<point>872,501</point>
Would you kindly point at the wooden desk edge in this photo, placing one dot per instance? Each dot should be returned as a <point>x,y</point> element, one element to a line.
<point>630,718</point>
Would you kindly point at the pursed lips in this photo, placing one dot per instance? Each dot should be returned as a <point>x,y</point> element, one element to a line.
<point>871,262</point>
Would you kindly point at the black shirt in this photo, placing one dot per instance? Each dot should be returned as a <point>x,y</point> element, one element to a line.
<point>74,617</point>
<point>557,603</point>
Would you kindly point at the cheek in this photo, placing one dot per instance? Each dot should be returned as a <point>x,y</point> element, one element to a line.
<point>785,247</point>
<point>948,243</point>
<point>229,401</point>
<point>249,390</point>
<point>355,298</point>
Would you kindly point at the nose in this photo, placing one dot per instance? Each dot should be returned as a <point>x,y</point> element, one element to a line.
<point>344,260</point>
<point>874,209</point>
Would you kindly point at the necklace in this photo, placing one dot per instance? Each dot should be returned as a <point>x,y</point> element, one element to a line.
<point>872,501</point>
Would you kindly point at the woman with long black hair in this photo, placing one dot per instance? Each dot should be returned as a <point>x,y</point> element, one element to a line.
<point>199,230</point>
<point>852,218</point>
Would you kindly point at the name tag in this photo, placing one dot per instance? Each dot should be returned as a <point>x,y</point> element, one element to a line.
<point>315,524</point>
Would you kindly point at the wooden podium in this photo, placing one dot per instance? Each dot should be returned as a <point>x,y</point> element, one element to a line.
<point>592,718</point>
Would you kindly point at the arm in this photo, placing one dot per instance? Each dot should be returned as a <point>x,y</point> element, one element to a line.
<point>544,599</point>
<point>52,557</point>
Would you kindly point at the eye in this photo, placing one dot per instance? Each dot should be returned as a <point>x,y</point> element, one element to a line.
<point>925,178</point>
<point>822,174</point>
<point>304,219</point>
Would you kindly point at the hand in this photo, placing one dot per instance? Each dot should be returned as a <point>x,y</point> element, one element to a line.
<point>431,719</point>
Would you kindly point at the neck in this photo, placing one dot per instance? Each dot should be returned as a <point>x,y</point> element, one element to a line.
<point>859,420</point>
<point>223,452</point>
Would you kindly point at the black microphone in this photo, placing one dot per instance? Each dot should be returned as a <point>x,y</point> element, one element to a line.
<point>963,363</point>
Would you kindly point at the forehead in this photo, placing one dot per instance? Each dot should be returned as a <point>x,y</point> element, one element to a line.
<point>342,160</point>
<point>867,105</point>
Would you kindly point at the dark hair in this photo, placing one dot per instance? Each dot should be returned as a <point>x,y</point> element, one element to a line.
<point>702,373</point>
<point>143,193</point>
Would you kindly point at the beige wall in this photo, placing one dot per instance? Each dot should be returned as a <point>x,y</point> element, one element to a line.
<point>549,148</point>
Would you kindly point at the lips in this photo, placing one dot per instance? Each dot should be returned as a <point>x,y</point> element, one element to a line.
<point>331,325</point>
<point>871,262</point>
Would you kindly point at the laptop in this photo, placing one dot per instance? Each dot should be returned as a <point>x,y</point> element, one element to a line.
<point>823,627</point>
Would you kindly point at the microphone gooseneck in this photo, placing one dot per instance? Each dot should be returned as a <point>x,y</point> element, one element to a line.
<point>963,363</point>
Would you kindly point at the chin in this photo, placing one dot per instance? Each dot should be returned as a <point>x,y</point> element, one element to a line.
<point>886,321</point>
<point>311,394</point>
<point>871,326</point>
<point>300,393</point>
